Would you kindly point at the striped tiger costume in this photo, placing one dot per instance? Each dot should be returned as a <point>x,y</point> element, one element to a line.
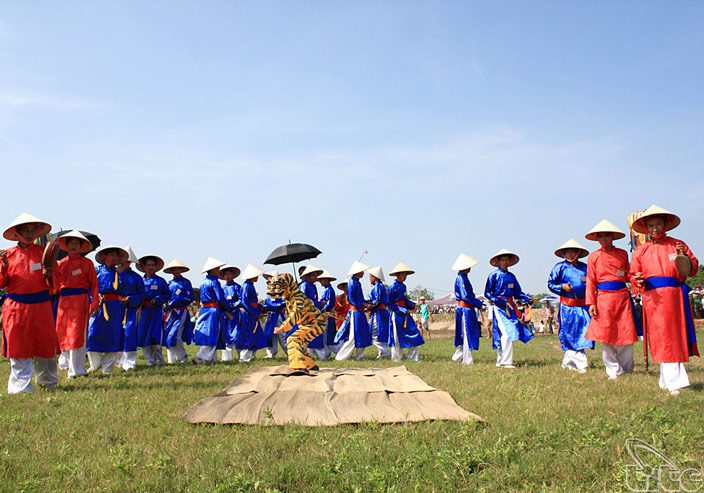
<point>300,311</point>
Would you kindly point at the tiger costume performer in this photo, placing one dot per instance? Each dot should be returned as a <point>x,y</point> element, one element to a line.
<point>300,311</point>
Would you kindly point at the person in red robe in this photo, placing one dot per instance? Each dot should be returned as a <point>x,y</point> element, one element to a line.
<point>659,268</point>
<point>77,284</point>
<point>342,304</point>
<point>29,336</point>
<point>611,308</point>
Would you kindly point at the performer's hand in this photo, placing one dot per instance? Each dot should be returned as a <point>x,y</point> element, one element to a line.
<point>680,249</point>
<point>639,279</point>
<point>592,311</point>
<point>3,257</point>
<point>567,287</point>
<point>278,330</point>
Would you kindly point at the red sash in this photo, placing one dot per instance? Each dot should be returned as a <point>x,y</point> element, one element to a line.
<point>572,301</point>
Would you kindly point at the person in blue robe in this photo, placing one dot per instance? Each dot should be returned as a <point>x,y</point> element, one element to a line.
<point>132,286</point>
<point>178,327</point>
<point>327,306</point>
<point>275,315</point>
<point>309,276</point>
<point>568,280</point>
<point>502,290</point>
<point>354,334</point>
<point>233,292</point>
<point>105,326</point>
<point>403,333</point>
<point>466,324</point>
<point>213,306</point>
<point>249,336</point>
<point>379,319</point>
<point>150,330</point>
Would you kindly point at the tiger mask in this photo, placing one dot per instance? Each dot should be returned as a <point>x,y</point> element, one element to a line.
<point>281,286</point>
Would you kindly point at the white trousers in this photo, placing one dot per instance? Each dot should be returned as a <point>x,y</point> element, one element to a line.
<point>575,360</point>
<point>504,355</point>
<point>247,355</point>
<point>73,360</point>
<point>128,361</point>
<point>397,351</point>
<point>176,354</point>
<point>102,360</point>
<point>347,349</point>
<point>384,351</point>
<point>277,340</point>
<point>208,354</point>
<point>227,354</point>
<point>617,359</point>
<point>45,372</point>
<point>673,376</point>
<point>463,354</point>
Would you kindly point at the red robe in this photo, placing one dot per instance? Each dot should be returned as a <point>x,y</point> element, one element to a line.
<point>28,328</point>
<point>342,306</point>
<point>663,309</point>
<point>614,323</point>
<point>73,311</point>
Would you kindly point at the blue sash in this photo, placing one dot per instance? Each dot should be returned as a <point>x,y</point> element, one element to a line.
<point>30,298</point>
<point>672,282</point>
<point>611,286</point>
<point>72,291</point>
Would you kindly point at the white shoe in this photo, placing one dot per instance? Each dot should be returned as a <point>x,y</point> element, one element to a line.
<point>508,366</point>
<point>613,378</point>
<point>675,392</point>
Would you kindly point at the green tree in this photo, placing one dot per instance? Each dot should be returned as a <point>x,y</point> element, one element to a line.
<point>697,279</point>
<point>419,291</point>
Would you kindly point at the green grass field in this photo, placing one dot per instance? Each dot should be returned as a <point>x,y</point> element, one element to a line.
<point>547,429</point>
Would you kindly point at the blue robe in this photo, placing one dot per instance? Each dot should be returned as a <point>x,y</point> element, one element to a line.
<point>105,336</point>
<point>406,329</point>
<point>574,320</point>
<point>327,305</point>
<point>249,334</point>
<point>501,284</point>
<point>232,291</point>
<point>150,330</point>
<point>275,316</point>
<point>378,299</point>
<point>181,295</point>
<point>209,320</point>
<point>466,324</point>
<point>355,318</point>
<point>132,285</point>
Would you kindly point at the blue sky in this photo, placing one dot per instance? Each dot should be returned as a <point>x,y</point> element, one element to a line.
<point>412,130</point>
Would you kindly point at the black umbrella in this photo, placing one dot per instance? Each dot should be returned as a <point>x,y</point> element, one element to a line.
<point>292,253</point>
<point>93,238</point>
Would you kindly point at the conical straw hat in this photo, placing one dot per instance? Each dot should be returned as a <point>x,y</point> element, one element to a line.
<point>158,260</point>
<point>236,270</point>
<point>356,268</point>
<point>377,272</point>
<point>210,264</point>
<point>132,257</point>
<point>43,227</point>
<point>176,264</point>
<point>251,271</point>
<point>464,262</point>
<point>342,285</point>
<point>100,254</point>
<point>86,245</point>
<point>400,268</point>
<point>495,259</point>
<point>269,274</point>
<point>560,252</point>
<point>327,275</point>
<point>605,226</point>
<point>310,269</point>
<point>671,220</point>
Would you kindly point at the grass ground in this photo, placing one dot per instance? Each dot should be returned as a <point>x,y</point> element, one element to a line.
<point>547,430</point>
